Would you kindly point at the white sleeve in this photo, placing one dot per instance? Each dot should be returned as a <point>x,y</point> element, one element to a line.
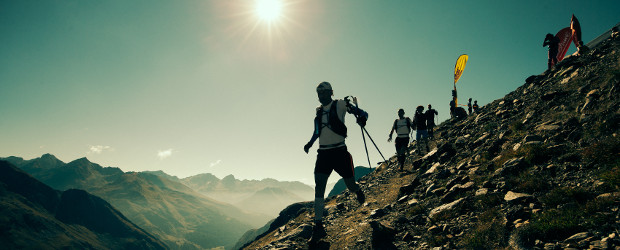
<point>342,109</point>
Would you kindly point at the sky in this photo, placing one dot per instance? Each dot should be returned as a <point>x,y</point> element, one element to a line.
<point>192,87</point>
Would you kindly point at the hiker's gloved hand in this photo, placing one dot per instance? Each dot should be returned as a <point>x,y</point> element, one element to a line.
<point>361,120</point>
<point>307,147</point>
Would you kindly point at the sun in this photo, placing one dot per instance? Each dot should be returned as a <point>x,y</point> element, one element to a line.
<point>268,10</point>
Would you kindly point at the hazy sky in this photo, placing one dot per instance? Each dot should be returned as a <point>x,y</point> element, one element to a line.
<point>193,87</point>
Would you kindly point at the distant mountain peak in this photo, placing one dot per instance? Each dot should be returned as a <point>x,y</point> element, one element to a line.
<point>229,177</point>
<point>82,160</point>
<point>48,156</point>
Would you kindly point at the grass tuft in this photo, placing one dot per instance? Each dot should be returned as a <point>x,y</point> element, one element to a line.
<point>490,232</point>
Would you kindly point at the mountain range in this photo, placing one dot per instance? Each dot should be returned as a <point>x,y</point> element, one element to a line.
<point>251,193</point>
<point>35,216</point>
<point>171,211</point>
<point>196,212</point>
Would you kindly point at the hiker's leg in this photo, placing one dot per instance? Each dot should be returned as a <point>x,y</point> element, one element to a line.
<point>403,153</point>
<point>355,189</point>
<point>346,171</point>
<point>418,137</point>
<point>322,170</point>
<point>351,184</point>
<point>320,180</point>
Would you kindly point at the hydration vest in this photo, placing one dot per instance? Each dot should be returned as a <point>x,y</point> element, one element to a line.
<point>333,122</point>
<point>395,126</point>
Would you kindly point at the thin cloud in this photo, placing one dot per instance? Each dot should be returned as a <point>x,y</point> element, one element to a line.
<point>215,163</point>
<point>98,149</point>
<point>163,154</point>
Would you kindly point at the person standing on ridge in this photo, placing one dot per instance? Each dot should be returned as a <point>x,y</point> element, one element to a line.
<point>469,106</point>
<point>452,108</point>
<point>330,129</point>
<point>402,126</point>
<point>476,107</point>
<point>430,121</point>
<point>553,42</point>
<point>419,121</point>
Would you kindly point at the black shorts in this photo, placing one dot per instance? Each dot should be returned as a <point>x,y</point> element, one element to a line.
<point>338,159</point>
<point>401,145</point>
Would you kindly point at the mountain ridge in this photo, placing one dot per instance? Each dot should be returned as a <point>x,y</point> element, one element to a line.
<point>35,215</point>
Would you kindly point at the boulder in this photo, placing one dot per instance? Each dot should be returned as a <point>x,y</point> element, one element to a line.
<point>382,234</point>
<point>445,207</point>
<point>482,191</point>
<point>303,231</point>
<point>595,93</point>
<point>577,237</point>
<point>533,138</point>
<point>547,127</point>
<point>377,213</point>
<point>513,197</point>
<point>511,166</point>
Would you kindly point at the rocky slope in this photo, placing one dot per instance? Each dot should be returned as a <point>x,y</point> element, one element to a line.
<point>536,169</point>
<point>35,216</point>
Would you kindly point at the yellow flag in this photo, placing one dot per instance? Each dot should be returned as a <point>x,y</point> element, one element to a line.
<point>460,66</point>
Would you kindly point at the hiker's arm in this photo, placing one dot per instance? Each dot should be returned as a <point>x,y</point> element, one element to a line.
<point>315,135</point>
<point>392,132</point>
<point>360,114</point>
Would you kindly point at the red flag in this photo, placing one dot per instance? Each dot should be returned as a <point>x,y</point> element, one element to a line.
<point>566,36</point>
<point>576,27</point>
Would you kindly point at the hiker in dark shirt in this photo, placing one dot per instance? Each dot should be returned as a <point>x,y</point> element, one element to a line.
<point>476,107</point>
<point>469,106</point>
<point>421,135</point>
<point>452,107</point>
<point>553,42</point>
<point>430,121</point>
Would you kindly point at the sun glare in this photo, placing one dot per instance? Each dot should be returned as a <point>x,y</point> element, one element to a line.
<point>268,10</point>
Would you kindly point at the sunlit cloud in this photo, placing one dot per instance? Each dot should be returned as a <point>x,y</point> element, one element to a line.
<point>163,154</point>
<point>215,163</point>
<point>98,149</point>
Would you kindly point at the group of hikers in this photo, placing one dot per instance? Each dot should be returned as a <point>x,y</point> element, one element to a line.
<point>459,113</point>
<point>331,131</point>
<point>332,154</point>
<point>423,123</point>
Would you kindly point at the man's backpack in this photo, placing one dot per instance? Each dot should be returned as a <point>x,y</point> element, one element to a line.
<point>395,127</point>
<point>333,122</point>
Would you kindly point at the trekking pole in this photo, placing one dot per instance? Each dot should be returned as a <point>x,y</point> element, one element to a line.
<point>365,147</point>
<point>373,142</point>
<point>362,129</point>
